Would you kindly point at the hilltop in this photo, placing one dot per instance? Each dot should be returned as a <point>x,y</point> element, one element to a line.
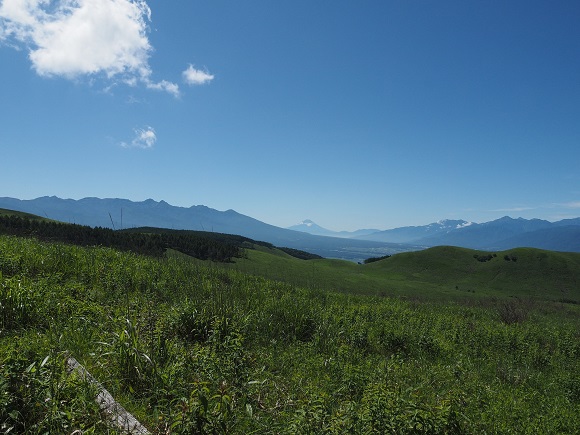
<point>520,272</point>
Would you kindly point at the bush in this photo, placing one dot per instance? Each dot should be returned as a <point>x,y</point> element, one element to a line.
<point>374,259</point>
<point>512,312</point>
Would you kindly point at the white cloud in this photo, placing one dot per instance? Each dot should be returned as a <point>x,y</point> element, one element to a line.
<point>166,86</point>
<point>72,38</point>
<point>144,138</point>
<point>193,76</point>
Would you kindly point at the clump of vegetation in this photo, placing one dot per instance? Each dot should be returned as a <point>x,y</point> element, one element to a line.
<point>484,258</point>
<point>302,255</point>
<point>190,347</point>
<point>513,311</point>
<point>373,259</point>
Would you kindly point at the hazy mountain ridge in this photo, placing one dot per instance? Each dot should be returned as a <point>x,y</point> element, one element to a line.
<point>502,233</point>
<point>412,233</point>
<point>558,238</point>
<point>123,213</point>
<point>487,235</point>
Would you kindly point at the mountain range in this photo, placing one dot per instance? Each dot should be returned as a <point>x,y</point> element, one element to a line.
<point>501,234</point>
<point>122,214</point>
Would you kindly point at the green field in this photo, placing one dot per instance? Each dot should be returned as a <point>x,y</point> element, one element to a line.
<point>440,273</point>
<point>442,341</point>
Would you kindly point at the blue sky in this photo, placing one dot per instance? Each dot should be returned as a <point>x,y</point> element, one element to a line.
<point>373,114</point>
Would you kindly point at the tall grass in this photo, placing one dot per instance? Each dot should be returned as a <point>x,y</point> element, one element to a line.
<point>188,348</point>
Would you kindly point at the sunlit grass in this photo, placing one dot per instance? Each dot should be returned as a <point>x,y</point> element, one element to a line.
<point>190,347</point>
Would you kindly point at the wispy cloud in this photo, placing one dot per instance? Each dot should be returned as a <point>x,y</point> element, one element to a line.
<point>73,38</point>
<point>166,86</point>
<point>193,76</point>
<point>144,138</point>
<point>571,204</point>
<point>550,211</point>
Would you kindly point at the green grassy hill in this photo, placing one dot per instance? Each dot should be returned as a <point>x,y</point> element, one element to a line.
<point>522,272</point>
<point>446,273</point>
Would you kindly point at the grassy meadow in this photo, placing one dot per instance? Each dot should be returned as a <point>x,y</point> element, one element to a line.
<point>441,273</point>
<point>443,341</point>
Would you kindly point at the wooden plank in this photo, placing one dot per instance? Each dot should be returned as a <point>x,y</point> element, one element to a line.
<point>119,417</point>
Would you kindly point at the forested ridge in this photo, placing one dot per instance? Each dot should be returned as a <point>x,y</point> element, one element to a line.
<point>148,241</point>
<point>141,242</point>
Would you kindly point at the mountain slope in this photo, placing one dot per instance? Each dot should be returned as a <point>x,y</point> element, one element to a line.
<point>486,235</point>
<point>503,233</point>
<point>559,238</point>
<point>417,233</point>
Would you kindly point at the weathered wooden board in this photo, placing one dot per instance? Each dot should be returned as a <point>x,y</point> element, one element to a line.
<point>119,417</point>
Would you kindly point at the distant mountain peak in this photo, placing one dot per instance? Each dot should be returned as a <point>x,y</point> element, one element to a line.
<point>506,219</point>
<point>309,226</point>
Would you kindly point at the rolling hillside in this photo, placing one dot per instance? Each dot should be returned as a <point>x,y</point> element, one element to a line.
<point>521,272</point>
<point>444,273</point>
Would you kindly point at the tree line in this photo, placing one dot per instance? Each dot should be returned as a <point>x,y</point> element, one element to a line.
<point>141,242</point>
